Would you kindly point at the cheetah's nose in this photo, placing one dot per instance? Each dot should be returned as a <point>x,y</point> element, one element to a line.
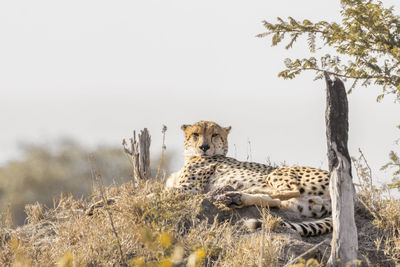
<point>205,147</point>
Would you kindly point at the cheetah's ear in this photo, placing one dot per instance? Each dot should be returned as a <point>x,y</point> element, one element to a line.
<point>185,126</point>
<point>228,129</point>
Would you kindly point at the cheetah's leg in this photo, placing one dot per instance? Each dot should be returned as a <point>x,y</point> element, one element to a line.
<point>234,199</point>
<point>273,193</point>
<point>262,197</point>
<point>312,206</point>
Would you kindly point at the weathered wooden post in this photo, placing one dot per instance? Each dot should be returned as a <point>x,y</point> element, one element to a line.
<point>139,152</point>
<point>344,244</point>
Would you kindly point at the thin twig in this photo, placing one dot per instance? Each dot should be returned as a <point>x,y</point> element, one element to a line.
<point>366,164</point>
<point>262,247</point>
<point>163,148</point>
<point>92,177</point>
<point>99,179</point>
<point>361,77</point>
<point>303,255</point>
<point>249,156</point>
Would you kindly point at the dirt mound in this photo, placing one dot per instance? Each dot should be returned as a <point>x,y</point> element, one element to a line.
<point>317,247</point>
<point>146,231</point>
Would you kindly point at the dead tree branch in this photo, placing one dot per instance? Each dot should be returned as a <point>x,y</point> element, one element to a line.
<point>344,238</point>
<point>139,153</point>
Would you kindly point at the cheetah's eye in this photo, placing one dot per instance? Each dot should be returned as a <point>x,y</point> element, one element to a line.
<point>215,135</point>
<point>196,134</point>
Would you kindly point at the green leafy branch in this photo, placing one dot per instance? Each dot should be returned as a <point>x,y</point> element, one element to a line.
<point>369,35</point>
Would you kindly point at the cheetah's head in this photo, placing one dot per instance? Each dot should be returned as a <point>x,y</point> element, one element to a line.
<point>205,139</point>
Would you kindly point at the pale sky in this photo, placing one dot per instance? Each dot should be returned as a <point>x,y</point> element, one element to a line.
<point>96,70</point>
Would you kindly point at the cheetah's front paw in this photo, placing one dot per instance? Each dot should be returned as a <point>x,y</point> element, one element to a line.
<point>232,200</point>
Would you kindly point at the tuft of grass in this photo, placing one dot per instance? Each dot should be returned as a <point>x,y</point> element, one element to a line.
<point>384,208</point>
<point>155,228</point>
<point>152,227</point>
<point>48,169</point>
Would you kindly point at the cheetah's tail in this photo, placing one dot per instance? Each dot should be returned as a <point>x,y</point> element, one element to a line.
<point>311,228</point>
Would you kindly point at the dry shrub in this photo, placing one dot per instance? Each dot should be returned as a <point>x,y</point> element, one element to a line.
<point>45,170</point>
<point>155,228</point>
<point>384,208</point>
<point>257,249</point>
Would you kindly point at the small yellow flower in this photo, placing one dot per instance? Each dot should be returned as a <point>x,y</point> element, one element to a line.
<point>196,257</point>
<point>200,254</point>
<point>165,239</point>
<point>166,263</point>
<point>138,261</point>
<point>312,263</point>
<point>66,260</point>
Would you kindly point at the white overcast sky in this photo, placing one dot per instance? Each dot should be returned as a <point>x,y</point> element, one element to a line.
<point>96,70</point>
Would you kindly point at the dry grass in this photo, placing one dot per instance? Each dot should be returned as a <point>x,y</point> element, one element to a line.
<point>151,227</point>
<point>157,228</point>
<point>384,208</point>
<point>154,230</point>
<point>45,170</point>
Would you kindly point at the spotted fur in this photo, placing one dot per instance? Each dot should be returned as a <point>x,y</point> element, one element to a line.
<point>208,169</point>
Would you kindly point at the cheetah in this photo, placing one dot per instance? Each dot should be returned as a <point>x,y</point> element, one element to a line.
<point>303,190</point>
